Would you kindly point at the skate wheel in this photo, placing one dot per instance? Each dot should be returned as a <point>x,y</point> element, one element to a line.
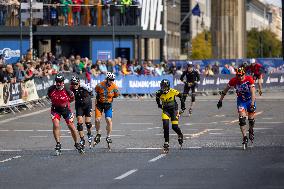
<point>245,146</point>
<point>57,153</point>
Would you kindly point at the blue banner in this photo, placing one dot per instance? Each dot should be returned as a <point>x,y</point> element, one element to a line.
<point>134,84</point>
<point>10,49</point>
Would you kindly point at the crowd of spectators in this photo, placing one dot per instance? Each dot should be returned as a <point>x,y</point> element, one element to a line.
<point>75,12</point>
<point>48,64</point>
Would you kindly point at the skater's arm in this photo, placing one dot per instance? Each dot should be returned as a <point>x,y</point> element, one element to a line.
<point>158,94</point>
<point>223,93</point>
<point>182,103</point>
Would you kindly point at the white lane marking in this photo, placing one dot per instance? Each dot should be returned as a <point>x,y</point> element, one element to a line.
<point>236,120</point>
<point>5,160</point>
<point>263,122</point>
<point>196,135</point>
<point>18,130</point>
<point>117,135</point>
<point>267,118</point>
<point>156,158</point>
<point>126,174</point>
<point>215,133</point>
<point>219,115</point>
<point>22,116</point>
<point>136,123</point>
<point>44,130</point>
<point>143,148</point>
<point>154,128</point>
<point>215,129</point>
<point>10,150</point>
<point>65,130</point>
<point>259,128</point>
<point>37,136</point>
<point>193,147</point>
<point>4,130</point>
<point>171,134</point>
<point>67,149</point>
<point>65,136</point>
<point>210,123</point>
<point>139,130</point>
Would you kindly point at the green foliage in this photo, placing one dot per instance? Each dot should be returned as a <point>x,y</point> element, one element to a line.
<point>202,46</point>
<point>262,44</point>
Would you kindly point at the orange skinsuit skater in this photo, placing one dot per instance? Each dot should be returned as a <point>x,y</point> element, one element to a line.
<point>105,92</point>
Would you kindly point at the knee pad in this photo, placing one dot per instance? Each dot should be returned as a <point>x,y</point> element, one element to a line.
<point>193,97</point>
<point>89,125</point>
<point>80,126</point>
<point>251,122</point>
<point>242,121</point>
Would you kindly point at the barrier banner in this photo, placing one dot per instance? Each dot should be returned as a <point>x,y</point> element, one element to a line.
<point>133,84</point>
<point>42,85</point>
<point>218,82</point>
<point>11,94</point>
<point>29,91</point>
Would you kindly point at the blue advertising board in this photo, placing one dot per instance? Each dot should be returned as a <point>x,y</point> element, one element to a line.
<point>10,49</point>
<point>134,84</point>
<point>102,48</point>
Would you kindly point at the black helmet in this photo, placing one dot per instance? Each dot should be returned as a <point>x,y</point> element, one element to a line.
<point>165,85</point>
<point>75,80</point>
<point>59,78</point>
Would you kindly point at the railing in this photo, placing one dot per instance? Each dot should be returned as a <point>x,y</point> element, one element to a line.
<point>72,15</point>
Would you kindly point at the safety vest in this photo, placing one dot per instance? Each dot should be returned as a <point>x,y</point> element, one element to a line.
<point>126,2</point>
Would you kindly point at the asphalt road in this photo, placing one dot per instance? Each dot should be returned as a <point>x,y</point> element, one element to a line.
<point>211,157</point>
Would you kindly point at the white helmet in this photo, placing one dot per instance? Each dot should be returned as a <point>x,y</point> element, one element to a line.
<point>252,60</point>
<point>110,76</point>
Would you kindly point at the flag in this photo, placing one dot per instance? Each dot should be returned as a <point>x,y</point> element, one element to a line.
<point>196,10</point>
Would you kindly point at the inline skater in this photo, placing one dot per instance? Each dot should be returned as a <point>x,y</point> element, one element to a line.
<point>190,83</point>
<point>256,70</point>
<point>245,90</point>
<point>60,106</point>
<point>105,92</point>
<point>83,107</point>
<point>170,111</point>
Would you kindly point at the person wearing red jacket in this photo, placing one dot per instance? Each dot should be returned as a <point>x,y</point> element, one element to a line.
<point>256,71</point>
<point>60,98</point>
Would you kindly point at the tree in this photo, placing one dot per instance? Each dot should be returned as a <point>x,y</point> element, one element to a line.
<point>202,46</point>
<point>262,44</point>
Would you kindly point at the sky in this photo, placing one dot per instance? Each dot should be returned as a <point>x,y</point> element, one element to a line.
<point>274,2</point>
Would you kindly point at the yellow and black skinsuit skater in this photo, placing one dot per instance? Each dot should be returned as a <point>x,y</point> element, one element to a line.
<point>169,108</point>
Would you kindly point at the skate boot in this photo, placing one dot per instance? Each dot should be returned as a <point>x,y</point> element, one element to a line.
<point>245,143</point>
<point>166,147</point>
<point>109,141</point>
<point>97,139</point>
<point>189,112</point>
<point>90,139</point>
<point>82,142</point>
<point>180,140</point>
<point>79,147</point>
<point>58,149</point>
<point>251,134</point>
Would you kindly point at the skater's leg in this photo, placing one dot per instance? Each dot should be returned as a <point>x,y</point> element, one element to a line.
<point>251,125</point>
<point>109,126</point>
<point>72,129</point>
<point>80,126</point>
<point>88,125</point>
<point>56,130</point>
<point>242,123</point>
<point>166,123</point>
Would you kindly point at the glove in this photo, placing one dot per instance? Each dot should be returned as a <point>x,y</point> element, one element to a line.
<point>160,106</point>
<point>252,108</point>
<point>219,104</point>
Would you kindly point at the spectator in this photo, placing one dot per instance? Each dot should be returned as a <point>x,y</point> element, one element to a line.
<point>19,72</point>
<point>93,10</point>
<point>173,68</point>
<point>77,12</point>
<point>3,12</point>
<point>197,68</point>
<point>118,66</point>
<point>1,73</point>
<point>95,70</point>
<point>76,67</point>
<point>54,12</point>
<point>225,70</point>
<point>106,12</point>
<point>145,69</point>
<point>159,71</point>
<point>9,74</point>
<point>124,68</point>
<point>215,68</point>
<point>102,67</point>
<point>208,71</point>
<point>65,9</point>
<point>232,68</point>
<point>110,66</point>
